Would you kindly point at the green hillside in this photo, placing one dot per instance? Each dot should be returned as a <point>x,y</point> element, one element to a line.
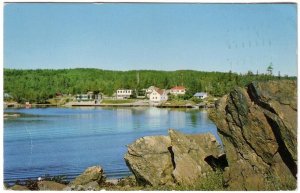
<point>40,85</point>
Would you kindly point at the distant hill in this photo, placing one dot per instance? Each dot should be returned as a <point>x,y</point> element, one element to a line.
<point>40,85</point>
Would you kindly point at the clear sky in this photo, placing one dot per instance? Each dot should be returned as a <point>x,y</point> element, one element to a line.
<point>205,37</point>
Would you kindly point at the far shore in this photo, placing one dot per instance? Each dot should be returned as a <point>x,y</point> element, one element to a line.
<point>91,104</point>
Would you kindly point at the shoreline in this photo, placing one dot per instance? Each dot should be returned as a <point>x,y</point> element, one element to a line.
<point>17,105</point>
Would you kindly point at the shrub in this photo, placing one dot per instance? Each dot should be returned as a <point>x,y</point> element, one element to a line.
<point>196,100</point>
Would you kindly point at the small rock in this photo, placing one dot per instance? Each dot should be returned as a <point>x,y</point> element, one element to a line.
<point>50,185</point>
<point>19,187</point>
<point>68,188</point>
<point>112,181</point>
<point>92,186</point>
<point>91,174</point>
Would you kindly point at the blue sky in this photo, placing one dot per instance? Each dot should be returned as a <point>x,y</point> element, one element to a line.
<point>204,37</point>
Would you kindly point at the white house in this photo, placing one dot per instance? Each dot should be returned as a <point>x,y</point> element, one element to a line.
<point>158,95</point>
<point>123,93</point>
<point>150,90</point>
<point>201,95</point>
<point>178,90</point>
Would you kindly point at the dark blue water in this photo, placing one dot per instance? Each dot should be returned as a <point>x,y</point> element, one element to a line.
<point>65,141</point>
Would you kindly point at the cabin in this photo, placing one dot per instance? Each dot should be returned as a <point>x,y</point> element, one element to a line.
<point>158,95</point>
<point>178,90</point>
<point>201,95</point>
<point>124,93</point>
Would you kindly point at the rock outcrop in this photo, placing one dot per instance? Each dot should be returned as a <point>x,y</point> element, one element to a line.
<point>90,179</point>
<point>50,185</point>
<point>174,159</point>
<point>258,128</point>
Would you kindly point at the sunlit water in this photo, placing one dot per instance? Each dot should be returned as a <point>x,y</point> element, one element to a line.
<point>65,141</point>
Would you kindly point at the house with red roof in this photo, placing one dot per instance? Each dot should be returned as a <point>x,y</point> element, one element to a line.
<point>178,90</point>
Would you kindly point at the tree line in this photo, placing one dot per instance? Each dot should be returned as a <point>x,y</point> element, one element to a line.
<point>37,86</point>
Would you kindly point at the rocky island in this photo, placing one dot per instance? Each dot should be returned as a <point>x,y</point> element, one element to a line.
<point>258,128</point>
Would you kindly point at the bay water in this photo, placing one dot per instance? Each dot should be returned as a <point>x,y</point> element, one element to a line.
<point>65,141</point>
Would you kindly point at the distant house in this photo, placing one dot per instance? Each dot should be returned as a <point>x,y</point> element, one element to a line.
<point>178,90</point>
<point>150,90</point>
<point>123,93</point>
<point>89,96</point>
<point>158,95</point>
<point>201,95</point>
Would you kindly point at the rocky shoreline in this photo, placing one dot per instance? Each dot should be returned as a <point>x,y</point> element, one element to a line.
<point>258,129</point>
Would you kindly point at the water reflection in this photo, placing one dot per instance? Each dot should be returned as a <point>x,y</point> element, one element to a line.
<point>124,118</point>
<point>156,117</point>
<point>194,118</point>
<point>178,119</point>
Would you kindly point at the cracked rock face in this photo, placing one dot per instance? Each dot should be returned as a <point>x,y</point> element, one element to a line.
<point>258,128</point>
<point>173,159</point>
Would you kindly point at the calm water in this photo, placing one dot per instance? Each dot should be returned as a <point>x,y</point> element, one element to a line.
<point>65,141</point>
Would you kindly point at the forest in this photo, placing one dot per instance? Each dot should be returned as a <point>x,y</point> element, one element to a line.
<point>37,86</point>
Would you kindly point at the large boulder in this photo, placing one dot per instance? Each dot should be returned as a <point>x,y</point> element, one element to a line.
<point>174,159</point>
<point>258,128</point>
<point>149,159</point>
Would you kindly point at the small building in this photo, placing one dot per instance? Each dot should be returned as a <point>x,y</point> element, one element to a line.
<point>123,93</point>
<point>178,90</point>
<point>158,95</point>
<point>89,96</point>
<point>150,90</point>
<point>201,95</point>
